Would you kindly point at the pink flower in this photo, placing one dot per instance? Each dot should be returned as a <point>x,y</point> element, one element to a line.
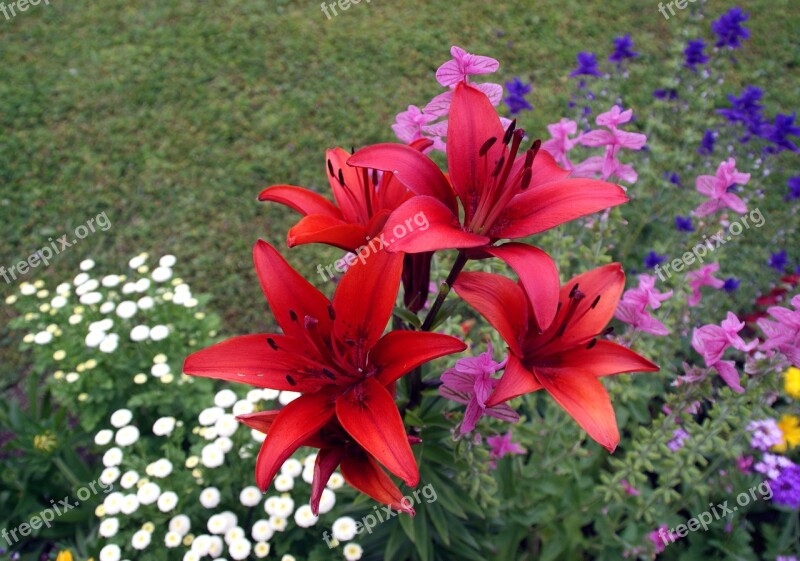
<point>502,445</point>
<point>629,489</point>
<point>613,139</point>
<point>561,143</point>
<point>632,308</point>
<point>410,123</point>
<point>703,277</point>
<point>711,341</point>
<point>716,189</point>
<point>783,334</point>
<point>463,65</point>
<point>470,382</point>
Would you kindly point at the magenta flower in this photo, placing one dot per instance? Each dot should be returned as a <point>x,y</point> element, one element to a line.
<point>502,445</point>
<point>632,308</point>
<point>629,489</point>
<point>560,144</point>
<point>410,124</point>
<point>614,139</point>
<point>463,65</point>
<point>716,188</point>
<point>711,341</point>
<point>783,334</point>
<point>470,382</point>
<point>703,277</point>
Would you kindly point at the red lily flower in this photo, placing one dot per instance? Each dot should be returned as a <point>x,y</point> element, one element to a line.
<point>338,449</point>
<point>566,358</point>
<point>503,196</point>
<point>335,354</point>
<point>363,203</point>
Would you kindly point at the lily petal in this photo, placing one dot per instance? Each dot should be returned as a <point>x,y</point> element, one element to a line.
<point>391,357</point>
<point>317,228</point>
<point>538,276</point>
<point>260,420</point>
<point>298,421</point>
<point>327,461</point>
<point>291,297</point>
<point>369,414</point>
<point>363,473</point>
<point>603,359</point>
<point>551,204</point>
<point>301,200</point>
<point>498,299</point>
<point>517,380</point>
<point>586,400</point>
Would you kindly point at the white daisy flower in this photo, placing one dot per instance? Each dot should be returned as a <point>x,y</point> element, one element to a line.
<point>250,496</point>
<point>269,394</point>
<point>225,444</point>
<point>130,504</point>
<point>201,544</point>
<point>209,416</point>
<point>148,493</point>
<point>261,549</point>
<point>91,298</point>
<point>344,529</point>
<point>110,281</point>
<point>327,501</point>
<point>171,540</point>
<point>335,481</point>
<point>112,457</point>
<point>308,474</point>
<point>126,309</point>
<point>27,289</point>
<point>160,369</point>
<point>129,288</point>
<point>42,338</point>
<point>141,540</point>
<point>58,302</point>
<point>162,468</point>
<point>109,475</point>
<point>129,479</point>
<point>261,531</point>
<point>257,435</point>
<point>107,307</point>
<point>216,547</point>
<point>167,501</point>
<point>239,549</point>
<point>292,467</point>
<point>225,398</point>
<point>180,524</point>
<point>88,286</point>
<point>286,397</point>
<point>126,436</point>
<point>145,303</point>
<point>243,407</point>
<point>226,425</point>
<point>164,426</point>
<point>288,557</point>
<point>277,523</point>
<point>217,524</point>
<point>284,483</point>
<point>167,260</point>
<point>121,418</point>
<point>352,552</point>
<point>112,503</point>
<point>109,527</point>
<point>137,261</point>
<point>233,534</point>
<point>212,456</point>
<point>140,333</point>
<point>94,338</point>
<point>142,285</point>
<point>210,497</point>
<point>304,517</point>
<point>86,265</point>
<point>162,274</point>
<point>110,552</point>
<point>254,396</point>
<point>103,437</point>
<point>159,332</point>
<point>109,344</point>
<point>285,507</point>
<point>75,319</point>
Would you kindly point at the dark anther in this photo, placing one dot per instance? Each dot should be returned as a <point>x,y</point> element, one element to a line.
<point>341,177</point>
<point>591,344</point>
<point>292,315</point>
<point>527,175</point>
<point>596,301</point>
<point>609,330</point>
<point>499,166</point>
<point>573,291</point>
<point>374,177</point>
<point>529,158</point>
<point>272,343</point>
<point>486,145</point>
<point>509,132</point>
<point>331,313</point>
<point>329,374</point>
<point>291,380</point>
<point>330,168</point>
<point>310,322</point>
<point>535,146</point>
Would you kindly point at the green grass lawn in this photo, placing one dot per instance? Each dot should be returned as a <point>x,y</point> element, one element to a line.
<point>170,116</point>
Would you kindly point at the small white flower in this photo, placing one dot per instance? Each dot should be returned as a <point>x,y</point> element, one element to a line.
<point>167,502</point>
<point>191,302</point>
<point>226,425</point>
<point>126,309</point>
<point>261,549</point>
<point>269,394</point>
<point>271,505</point>
<point>162,274</point>
<point>258,436</point>
<point>250,496</point>
<point>88,286</point>
<point>110,281</point>
<point>344,529</point>
<point>42,338</point>
<point>75,319</point>
<point>109,344</point>
<point>234,533</point>
<point>284,483</point>
<point>225,444</point>
<point>292,467</point>
<point>103,325</point>
<point>232,519</point>
<point>308,474</point>
<point>126,436</point>
<point>140,333</point>
<point>261,531</point>
<point>142,285</point>
<point>110,552</point>
<point>210,497</point>
<point>130,504</point>
<point>91,298</point>
<point>254,396</point>
<point>94,338</point>
<point>148,493</point>
<point>27,289</point>
<point>164,426</point>
<point>140,540</point>
<point>225,398</point>
<point>112,503</point>
<point>86,265</point>
<point>137,261</point>
<point>172,540</point>
<point>243,407</point>
<point>112,457</point>
<point>167,260</point>
<point>129,479</point>
<point>201,545</point>
<point>107,307</point>
<point>277,523</point>
<point>79,280</point>
<point>327,501</point>
<point>217,524</point>
<point>161,369</point>
<point>121,418</point>
<point>103,437</point>
<point>145,303</point>
<point>212,456</point>
<point>58,302</point>
<point>352,552</point>
<point>304,517</point>
<point>216,547</point>
<point>288,557</point>
<point>63,289</point>
<point>180,524</point>
<point>239,549</point>
<point>109,475</point>
<point>109,527</point>
<point>287,397</point>
<point>209,416</point>
<point>285,507</point>
<point>159,332</point>
<point>129,288</point>
<point>335,481</point>
<point>191,556</point>
<point>162,468</point>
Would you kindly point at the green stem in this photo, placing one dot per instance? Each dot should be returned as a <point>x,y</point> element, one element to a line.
<point>61,465</point>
